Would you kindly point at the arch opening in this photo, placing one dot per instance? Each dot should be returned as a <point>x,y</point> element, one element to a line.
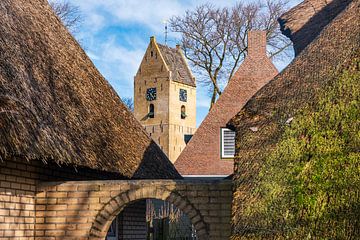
<point>151,219</point>
<point>136,200</point>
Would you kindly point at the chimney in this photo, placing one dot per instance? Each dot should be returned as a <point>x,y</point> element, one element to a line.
<point>256,43</point>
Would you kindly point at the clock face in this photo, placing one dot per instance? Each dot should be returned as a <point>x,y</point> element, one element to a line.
<point>151,94</point>
<point>183,95</point>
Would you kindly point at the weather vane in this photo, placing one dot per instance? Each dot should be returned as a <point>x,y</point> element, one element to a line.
<point>166,31</point>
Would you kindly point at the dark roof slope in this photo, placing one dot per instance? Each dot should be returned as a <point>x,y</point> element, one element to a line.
<point>279,100</point>
<point>305,21</point>
<point>201,155</point>
<point>177,65</point>
<point>56,106</point>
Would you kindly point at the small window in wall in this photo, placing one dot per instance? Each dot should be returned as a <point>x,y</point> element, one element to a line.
<point>151,113</point>
<point>227,138</point>
<point>183,112</point>
<point>151,53</point>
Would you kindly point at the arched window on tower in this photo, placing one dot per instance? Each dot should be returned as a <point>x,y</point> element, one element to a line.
<point>151,113</point>
<point>183,112</point>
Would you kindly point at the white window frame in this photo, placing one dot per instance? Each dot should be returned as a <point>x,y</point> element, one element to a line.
<point>222,147</point>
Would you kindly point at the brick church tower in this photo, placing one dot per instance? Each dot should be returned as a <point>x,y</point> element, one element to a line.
<point>165,97</point>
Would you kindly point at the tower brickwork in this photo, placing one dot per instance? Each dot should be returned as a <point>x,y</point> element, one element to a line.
<point>165,97</point>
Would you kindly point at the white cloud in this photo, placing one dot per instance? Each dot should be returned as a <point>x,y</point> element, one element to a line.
<point>149,13</point>
<point>92,55</point>
<point>202,101</point>
<point>96,21</point>
<point>116,53</point>
<point>118,64</point>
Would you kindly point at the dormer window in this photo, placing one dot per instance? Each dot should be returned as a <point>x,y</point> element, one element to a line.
<point>227,139</point>
<point>183,112</point>
<point>151,113</point>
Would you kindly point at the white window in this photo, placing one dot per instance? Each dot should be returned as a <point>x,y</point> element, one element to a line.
<point>227,143</point>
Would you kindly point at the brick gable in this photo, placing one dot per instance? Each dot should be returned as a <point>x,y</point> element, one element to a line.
<point>202,154</point>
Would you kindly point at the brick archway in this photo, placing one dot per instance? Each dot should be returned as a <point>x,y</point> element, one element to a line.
<point>116,204</point>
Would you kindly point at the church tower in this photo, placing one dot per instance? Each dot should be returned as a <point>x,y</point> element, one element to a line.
<point>165,97</point>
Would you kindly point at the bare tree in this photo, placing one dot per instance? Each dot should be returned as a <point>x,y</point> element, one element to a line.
<point>129,103</point>
<point>214,39</point>
<point>69,14</point>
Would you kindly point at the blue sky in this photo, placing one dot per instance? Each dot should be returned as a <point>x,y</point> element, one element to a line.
<point>115,34</point>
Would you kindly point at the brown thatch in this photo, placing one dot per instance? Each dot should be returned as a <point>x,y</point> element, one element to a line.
<point>56,106</point>
<point>303,23</point>
<point>279,100</point>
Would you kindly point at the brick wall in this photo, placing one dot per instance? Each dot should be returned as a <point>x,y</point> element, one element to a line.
<point>18,181</point>
<point>17,202</point>
<point>85,210</point>
<point>31,207</point>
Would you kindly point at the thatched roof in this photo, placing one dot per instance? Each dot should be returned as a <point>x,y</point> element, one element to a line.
<point>202,155</point>
<point>279,100</point>
<point>303,23</point>
<point>177,64</point>
<point>56,106</point>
